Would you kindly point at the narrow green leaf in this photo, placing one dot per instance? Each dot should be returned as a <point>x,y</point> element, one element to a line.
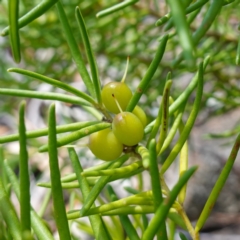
<point>58,201</point>
<point>185,4</point>
<point>13,6</point>
<point>43,95</point>
<point>56,83</point>
<point>38,225</point>
<point>154,174</point>
<point>77,135</point>
<point>238,53</point>
<point>90,55</point>
<point>196,5</point>
<point>40,228</point>
<point>183,31</point>
<point>218,186</point>
<point>9,214</point>
<point>172,131</point>
<point>184,95</point>
<point>183,165</point>
<point>44,132</point>
<point>163,19</point>
<point>208,19</point>
<point>36,12</point>
<point>142,87</point>
<point>45,203</point>
<point>164,116</point>
<point>171,229</point>
<point>96,221</point>
<point>163,209</point>
<point>163,110</point>
<point>3,174</point>
<point>175,217</point>
<point>126,223</point>
<point>226,2</point>
<point>189,124</point>
<point>156,186</point>
<point>182,236</point>
<point>187,92</point>
<point>74,49</point>
<point>25,206</point>
<point>116,8</point>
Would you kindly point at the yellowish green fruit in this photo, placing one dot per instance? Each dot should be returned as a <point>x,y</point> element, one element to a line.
<point>127,128</point>
<point>137,111</point>
<point>120,91</point>
<point>104,145</point>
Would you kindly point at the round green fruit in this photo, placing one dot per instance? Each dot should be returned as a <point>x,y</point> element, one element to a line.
<point>137,111</point>
<point>127,128</point>
<point>104,145</point>
<point>120,91</point>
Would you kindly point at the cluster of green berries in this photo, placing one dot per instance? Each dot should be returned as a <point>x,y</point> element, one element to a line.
<point>127,127</point>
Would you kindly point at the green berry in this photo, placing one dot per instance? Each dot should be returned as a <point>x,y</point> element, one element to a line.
<point>122,94</point>
<point>127,128</point>
<point>104,145</point>
<point>137,111</point>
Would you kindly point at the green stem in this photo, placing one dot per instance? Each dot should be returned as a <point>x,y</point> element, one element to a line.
<point>181,212</point>
<point>93,180</point>
<point>218,186</point>
<point>99,186</point>
<point>126,169</point>
<point>124,202</point>
<point>126,210</point>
